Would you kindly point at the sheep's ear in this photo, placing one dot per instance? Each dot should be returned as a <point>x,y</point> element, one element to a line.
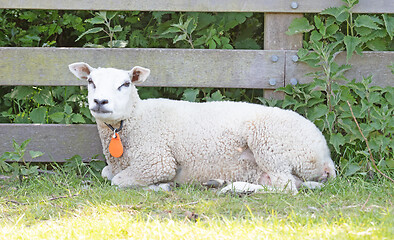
<point>139,74</point>
<point>81,70</point>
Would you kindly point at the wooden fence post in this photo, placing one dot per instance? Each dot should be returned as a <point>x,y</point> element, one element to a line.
<point>275,38</point>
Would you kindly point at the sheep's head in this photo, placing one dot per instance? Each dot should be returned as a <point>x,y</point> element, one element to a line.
<point>111,92</point>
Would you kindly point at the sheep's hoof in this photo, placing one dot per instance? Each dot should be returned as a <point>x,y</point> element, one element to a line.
<point>241,188</point>
<point>215,183</point>
<point>166,187</point>
<point>312,185</point>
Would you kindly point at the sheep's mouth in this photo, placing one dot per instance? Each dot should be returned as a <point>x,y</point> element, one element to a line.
<point>100,111</point>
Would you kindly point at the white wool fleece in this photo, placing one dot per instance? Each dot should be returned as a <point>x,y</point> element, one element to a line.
<point>167,140</point>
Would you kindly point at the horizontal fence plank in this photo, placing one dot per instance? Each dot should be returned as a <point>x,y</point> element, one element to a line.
<point>285,6</point>
<point>169,67</point>
<point>180,67</point>
<point>57,141</point>
<point>370,63</point>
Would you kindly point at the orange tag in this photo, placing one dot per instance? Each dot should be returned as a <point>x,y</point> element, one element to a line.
<point>115,146</point>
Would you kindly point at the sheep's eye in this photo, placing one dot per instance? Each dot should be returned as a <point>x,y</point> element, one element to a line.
<point>126,84</point>
<point>90,82</point>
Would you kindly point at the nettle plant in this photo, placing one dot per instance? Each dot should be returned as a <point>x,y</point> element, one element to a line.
<point>326,102</point>
<point>26,104</point>
<point>19,167</point>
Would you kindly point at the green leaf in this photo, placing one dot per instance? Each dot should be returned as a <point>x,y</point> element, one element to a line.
<point>77,118</point>
<point>317,112</point>
<point>337,140</point>
<point>299,25</point>
<point>190,25</point>
<point>91,45</point>
<point>302,52</point>
<point>4,167</point>
<point>117,28</point>
<point>247,43</point>
<point>316,36</point>
<point>119,43</point>
<point>111,15</point>
<point>366,21</point>
<point>44,97</point>
<point>351,44</point>
<point>172,30</point>
<point>340,70</point>
<point>331,30</point>
<point>35,154</point>
<point>211,44</point>
<point>24,144</point>
<point>339,13</point>
<point>68,109</point>
<point>351,169</point>
<point>390,163</point>
<point>330,118</point>
<point>318,22</point>
<point>389,23</point>
<point>57,117</point>
<point>288,101</point>
<point>179,38</point>
<point>21,92</point>
<point>96,20</point>
<point>92,30</point>
<point>38,115</point>
<point>378,44</point>
<point>216,96</point>
<point>190,94</point>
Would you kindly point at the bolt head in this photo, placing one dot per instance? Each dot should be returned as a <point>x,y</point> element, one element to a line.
<point>293,81</point>
<point>294,58</point>
<point>274,58</point>
<point>294,5</point>
<point>272,81</point>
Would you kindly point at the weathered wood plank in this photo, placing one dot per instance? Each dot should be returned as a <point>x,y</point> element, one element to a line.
<point>365,6</point>
<point>275,25</point>
<point>57,141</point>
<point>370,63</point>
<point>169,67</point>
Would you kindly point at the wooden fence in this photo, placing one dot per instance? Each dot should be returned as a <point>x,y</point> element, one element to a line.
<point>268,69</point>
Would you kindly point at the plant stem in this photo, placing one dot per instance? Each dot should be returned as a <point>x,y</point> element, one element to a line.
<point>366,142</point>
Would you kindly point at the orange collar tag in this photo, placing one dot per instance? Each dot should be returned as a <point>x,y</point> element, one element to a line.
<point>115,146</point>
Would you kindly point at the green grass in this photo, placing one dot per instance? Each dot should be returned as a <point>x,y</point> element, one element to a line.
<point>66,206</point>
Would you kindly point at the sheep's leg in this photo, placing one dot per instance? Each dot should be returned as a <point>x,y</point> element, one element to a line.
<point>141,175</point>
<point>312,185</point>
<point>166,187</point>
<point>280,181</point>
<point>215,183</point>
<point>242,188</point>
<point>107,173</point>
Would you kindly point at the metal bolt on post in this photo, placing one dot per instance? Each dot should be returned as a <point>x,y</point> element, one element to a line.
<point>294,5</point>
<point>293,81</point>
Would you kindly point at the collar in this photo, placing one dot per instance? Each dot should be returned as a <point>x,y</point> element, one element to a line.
<point>115,130</point>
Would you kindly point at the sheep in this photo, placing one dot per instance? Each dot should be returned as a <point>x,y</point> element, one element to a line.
<point>178,141</point>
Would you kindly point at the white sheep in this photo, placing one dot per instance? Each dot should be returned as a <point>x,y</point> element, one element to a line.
<point>177,141</point>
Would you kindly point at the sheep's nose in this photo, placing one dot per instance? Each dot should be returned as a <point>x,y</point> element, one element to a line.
<point>101,102</point>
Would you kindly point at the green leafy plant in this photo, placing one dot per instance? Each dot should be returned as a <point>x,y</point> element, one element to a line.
<point>25,104</point>
<point>214,31</point>
<point>325,101</point>
<point>76,165</point>
<point>373,108</point>
<point>352,32</point>
<point>105,18</point>
<point>19,167</point>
